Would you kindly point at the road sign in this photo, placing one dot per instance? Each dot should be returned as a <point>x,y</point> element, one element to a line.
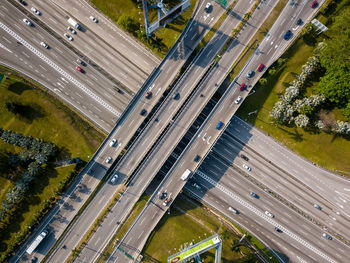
<point>222,2</point>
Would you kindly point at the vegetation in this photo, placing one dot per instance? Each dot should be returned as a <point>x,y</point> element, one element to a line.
<point>35,126</point>
<point>128,14</point>
<point>188,224</point>
<point>280,76</point>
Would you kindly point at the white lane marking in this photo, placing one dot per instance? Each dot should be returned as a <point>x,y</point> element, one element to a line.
<point>60,70</point>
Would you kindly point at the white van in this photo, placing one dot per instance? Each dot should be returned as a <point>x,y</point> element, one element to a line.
<point>112,142</point>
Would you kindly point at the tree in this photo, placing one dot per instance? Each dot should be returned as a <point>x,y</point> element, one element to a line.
<point>126,22</point>
<point>262,81</point>
<point>282,112</point>
<point>301,121</point>
<point>342,127</point>
<point>290,94</point>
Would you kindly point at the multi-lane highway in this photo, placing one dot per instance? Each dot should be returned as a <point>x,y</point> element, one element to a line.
<point>101,43</point>
<point>135,241</point>
<point>271,48</point>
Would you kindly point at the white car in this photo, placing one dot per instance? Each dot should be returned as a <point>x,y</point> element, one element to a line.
<point>36,11</point>
<point>233,210</point>
<point>108,159</point>
<point>269,214</point>
<point>68,36</point>
<point>197,186</point>
<point>112,143</point>
<point>44,45</point>
<point>114,178</point>
<point>93,19</point>
<point>238,100</point>
<point>25,20</point>
<point>207,6</point>
<point>247,167</point>
<point>70,29</point>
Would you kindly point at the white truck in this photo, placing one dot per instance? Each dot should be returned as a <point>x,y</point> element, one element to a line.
<point>74,23</point>
<point>186,174</point>
<point>36,242</point>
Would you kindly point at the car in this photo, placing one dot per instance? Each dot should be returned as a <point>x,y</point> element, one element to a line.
<point>287,35</point>
<point>317,207</point>
<point>79,69</point>
<point>25,20</point>
<point>208,6</point>
<point>109,159</point>
<point>244,157</point>
<point>167,200</point>
<point>68,36</point>
<point>114,178</point>
<point>119,90</point>
<point>70,29</point>
<point>148,94</point>
<point>93,19</point>
<point>34,260</point>
<point>238,100</point>
<point>250,73</point>
<point>254,195</point>
<point>278,229</point>
<point>36,11</point>
<point>219,125</point>
<point>261,67</point>
<point>299,22</point>
<point>143,112</point>
<point>22,2</point>
<point>176,96</point>
<point>233,210</point>
<point>246,167</point>
<point>197,186</point>
<point>197,158</point>
<point>112,142</point>
<point>242,87</point>
<point>269,214</point>
<point>44,45</point>
<point>81,62</point>
<point>314,4</point>
<point>163,195</point>
<point>326,236</point>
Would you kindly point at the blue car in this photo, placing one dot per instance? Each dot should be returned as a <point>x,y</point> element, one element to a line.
<point>287,35</point>
<point>220,124</point>
<point>254,195</point>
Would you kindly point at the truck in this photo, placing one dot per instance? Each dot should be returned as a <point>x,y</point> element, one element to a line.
<point>74,23</point>
<point>186,174</point>
<point>36,242</point>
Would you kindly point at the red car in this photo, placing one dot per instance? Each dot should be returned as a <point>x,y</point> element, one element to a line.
<point>242,87</point>
<point>148,94</point>
<point>261,67</point>
<point>314,4</point>
<point>80,69</point>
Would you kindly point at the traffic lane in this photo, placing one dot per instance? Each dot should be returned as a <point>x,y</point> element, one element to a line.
<point>33,41</point>
<point>276,242</point>
<point>110,33</point>
<point>290,189</point>
<point>93,47</point>
<point>312,240</point>
<point>52,81</point>
<point>296,165</point>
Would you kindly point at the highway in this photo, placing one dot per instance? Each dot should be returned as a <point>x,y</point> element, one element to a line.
<point>129,63</point>
<point>208,132</point>
<point>148,169</point>
<point>92,93</point>
<point>126,126</point>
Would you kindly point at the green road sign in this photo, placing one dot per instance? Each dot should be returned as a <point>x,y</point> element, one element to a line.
<point>222,2</point>
<point>197,249</point>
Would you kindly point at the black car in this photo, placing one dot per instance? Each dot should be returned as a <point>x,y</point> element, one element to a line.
<point>176,96</point>
<point>197,158</point>
<point>22,2</point>
<point>244,157</point>
<point>250,73</point>
<point>163,195</point>
<point>278,230</point>
<point>299,22</point>
<point>143,112</point>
